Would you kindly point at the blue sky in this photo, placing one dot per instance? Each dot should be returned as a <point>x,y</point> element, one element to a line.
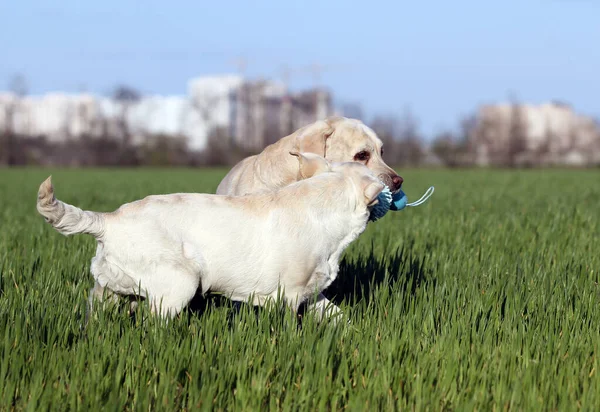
<point>440,58</point>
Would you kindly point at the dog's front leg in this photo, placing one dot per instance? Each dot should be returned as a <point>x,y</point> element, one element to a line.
<point>323,308</point>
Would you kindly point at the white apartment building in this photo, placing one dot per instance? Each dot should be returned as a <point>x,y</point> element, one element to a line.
<point>552,133</point>
<point>251,113</point>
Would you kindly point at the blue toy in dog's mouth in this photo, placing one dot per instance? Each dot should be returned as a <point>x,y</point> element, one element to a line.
<point>396,201</point>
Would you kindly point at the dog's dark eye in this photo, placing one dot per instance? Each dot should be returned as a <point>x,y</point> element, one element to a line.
<point>362,156</point>
<point>382,151</point>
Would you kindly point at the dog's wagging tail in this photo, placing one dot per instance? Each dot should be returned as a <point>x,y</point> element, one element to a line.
<point>65,218</point>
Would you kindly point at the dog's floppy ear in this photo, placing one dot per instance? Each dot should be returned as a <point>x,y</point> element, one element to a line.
<point>311,164</point>
<point>313,138</point>
<point>371,192</point>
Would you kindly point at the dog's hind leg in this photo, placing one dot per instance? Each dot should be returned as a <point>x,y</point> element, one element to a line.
<point>323,308</point>
<point>168,306</point>
<point>99,294</point>
<point>171,290</point>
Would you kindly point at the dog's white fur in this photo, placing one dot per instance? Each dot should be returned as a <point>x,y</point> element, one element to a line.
<point>165,247</point>
<point>337,139</point>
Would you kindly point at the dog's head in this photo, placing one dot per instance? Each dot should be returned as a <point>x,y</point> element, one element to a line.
<point>365,184</point>
<point>339,139</point>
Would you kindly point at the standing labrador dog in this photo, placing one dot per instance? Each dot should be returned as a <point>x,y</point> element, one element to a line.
<point>164,247</point>
<point>337,139</point>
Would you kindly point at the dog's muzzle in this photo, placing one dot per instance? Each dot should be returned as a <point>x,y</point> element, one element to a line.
<point>394,182</point>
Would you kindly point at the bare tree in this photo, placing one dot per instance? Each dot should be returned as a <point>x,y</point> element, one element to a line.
<point>273,128</point>
<point>68,122</point>
<point>517,135</point>
<point>287,120</point>
<point>17,85</point>
<point>467,126</point>
<point>445,148</point>
<point>465,151</point>
<point>205,106</point>
<point>6,133</point>
<point>218,151</point>
<point>456,149</point>
<point>251,126</point>
<point>401,139</point>
<point>165,150</point>
<point>573,138</point>
<point>543,150</point>
<point>252,108</point>
<point>249,120</point>
<point>411,152</point>
<point>486,143</point>
<point>595,152</point>
<point>387,128</point>
<point>126,97</point>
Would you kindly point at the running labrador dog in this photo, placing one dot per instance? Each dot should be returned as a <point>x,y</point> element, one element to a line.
<point>337,139</point>
<point>165,247</point>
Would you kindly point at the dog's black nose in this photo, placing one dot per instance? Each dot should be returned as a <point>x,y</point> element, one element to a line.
<point>397,181</point>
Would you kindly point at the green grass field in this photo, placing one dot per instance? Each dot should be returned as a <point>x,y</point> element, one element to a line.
<point>487,297</point>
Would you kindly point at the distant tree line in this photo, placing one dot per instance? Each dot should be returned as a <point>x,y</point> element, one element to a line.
<point>404,145</point>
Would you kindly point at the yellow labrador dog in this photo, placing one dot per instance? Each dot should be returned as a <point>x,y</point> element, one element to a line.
<point>337,139</point>
<point>286,241</point>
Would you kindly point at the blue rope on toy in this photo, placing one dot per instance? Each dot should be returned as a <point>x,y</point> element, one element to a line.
<point>397,201</point>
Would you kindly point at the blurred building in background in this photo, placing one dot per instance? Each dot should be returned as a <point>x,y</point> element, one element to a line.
<point>222,119</point>
<point>525,135</point>
<point>251,114</point>
<point>264,111</point>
